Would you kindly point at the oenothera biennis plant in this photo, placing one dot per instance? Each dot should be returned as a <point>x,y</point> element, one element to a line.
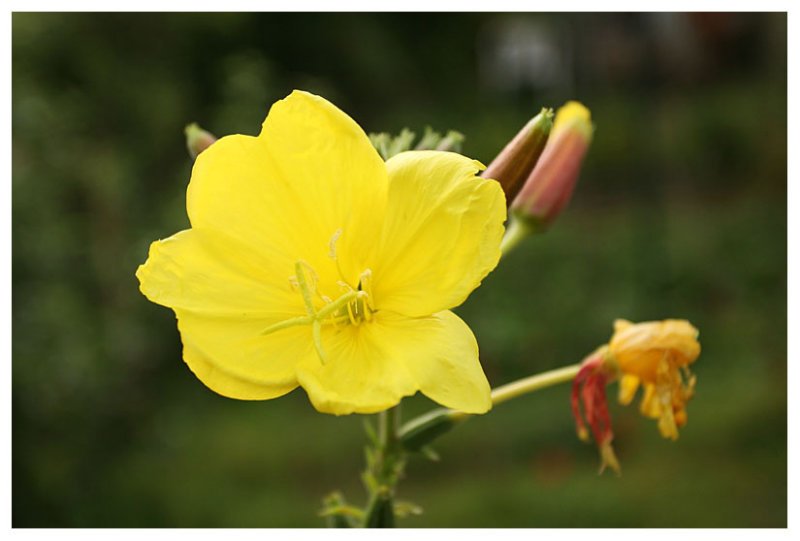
<point>314,260</point>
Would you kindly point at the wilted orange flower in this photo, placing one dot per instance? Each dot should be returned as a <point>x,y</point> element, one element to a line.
<point>657,354</point>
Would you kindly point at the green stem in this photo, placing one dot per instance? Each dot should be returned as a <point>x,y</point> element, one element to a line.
<point>534,383</point>
<point>394,442</point>
<point>388,420</point>
<point>384,471</point>
<point>516,231</point>
<point>424,429</point>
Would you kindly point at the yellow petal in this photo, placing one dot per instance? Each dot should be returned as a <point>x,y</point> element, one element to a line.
<point>442,355</point>
<point>666,424</point>
<point>310,177</point>
<point>362,373</point>
<point>641,347</point>
<point>209,273</point>
<point>372,366</point>
<point>233,358</point>
<point>627,389</point>
<point>441,234</point>
<point>650,405</point>
<point>229,383</point>
<point>622,324</point>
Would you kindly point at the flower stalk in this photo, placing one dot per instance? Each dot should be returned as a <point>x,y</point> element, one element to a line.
<point>418,433</point>
<point>533,383</point>
<point>385,464</point>
<point>516,232</point>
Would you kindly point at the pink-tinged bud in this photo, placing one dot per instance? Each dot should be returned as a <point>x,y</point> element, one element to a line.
<point>549,186</point>
<point>516,161</point>
<point>197,139</point>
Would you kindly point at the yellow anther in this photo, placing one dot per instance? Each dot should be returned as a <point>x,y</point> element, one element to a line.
<point>365,285</point>
<point>332,244</point>
<point>344,286</point>
<point>352,316</point>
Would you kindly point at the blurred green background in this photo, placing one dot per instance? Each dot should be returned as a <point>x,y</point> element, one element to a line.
<point>680,212</point>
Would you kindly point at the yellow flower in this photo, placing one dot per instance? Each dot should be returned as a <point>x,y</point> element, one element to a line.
<point>657,355</point>
<point>312,262</point>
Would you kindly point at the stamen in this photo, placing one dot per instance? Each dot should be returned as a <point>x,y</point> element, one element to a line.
<point>666,420</point>
<point>305,289</point>
<point>344,286</point>
<point>365,284</point>
<point>364,297</point>
<point>332,244</point>
<point>353,306</point>
<point>353,319</point>
<point>332,250</point>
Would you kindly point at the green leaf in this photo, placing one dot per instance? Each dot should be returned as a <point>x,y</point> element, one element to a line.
<point>423,430</point>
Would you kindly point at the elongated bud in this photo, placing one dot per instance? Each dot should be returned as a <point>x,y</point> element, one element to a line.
<point>550,184</point>
<point>516,161</point>
<point>417,434</point>
<point>197,139</point>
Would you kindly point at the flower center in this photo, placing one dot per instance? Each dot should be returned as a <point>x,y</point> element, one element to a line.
<point>353,306</point>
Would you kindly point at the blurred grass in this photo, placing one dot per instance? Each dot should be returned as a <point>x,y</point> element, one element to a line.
<point>680,212</point>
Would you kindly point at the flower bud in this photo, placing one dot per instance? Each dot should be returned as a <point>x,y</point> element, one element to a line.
<point>549,186</point>
<point>197,139</point>
<point>516,161</point>
<point>417,434</point>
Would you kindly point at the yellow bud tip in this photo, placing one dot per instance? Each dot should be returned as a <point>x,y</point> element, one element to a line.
<point>583,434</point>
<point>573,115</point>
